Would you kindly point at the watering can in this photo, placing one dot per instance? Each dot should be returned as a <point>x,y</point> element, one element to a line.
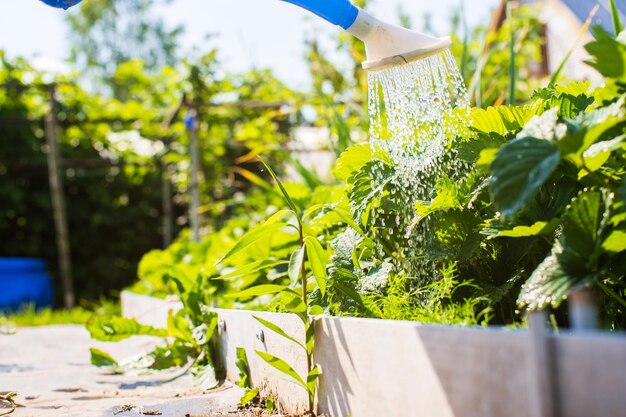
<point>386,45</point>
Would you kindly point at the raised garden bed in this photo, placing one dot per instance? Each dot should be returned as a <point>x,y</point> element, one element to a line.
<point>384,368</point>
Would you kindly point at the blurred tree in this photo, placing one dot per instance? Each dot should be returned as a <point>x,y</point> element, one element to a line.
<point>113,150</point>
<point>106,33</point>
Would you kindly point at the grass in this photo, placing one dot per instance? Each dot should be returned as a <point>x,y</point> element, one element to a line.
<point>29,316</point>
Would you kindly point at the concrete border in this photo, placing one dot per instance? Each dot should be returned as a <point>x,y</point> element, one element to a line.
<point>387,368</point>
<point>148,310</point>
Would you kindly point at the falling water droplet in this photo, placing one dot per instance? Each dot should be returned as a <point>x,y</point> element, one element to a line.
<point>414,109</point>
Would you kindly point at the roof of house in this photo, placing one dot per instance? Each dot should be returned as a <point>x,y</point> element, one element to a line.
<point>582,8</point>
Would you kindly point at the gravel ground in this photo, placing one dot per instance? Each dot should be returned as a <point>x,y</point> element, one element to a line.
<point>50,369</point>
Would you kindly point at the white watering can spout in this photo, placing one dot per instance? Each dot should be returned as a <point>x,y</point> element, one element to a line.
<point>386,45</point>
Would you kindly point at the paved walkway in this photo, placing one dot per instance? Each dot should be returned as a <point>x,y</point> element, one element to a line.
<point>50,369</point>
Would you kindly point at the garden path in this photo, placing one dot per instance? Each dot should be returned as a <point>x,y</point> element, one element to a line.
<point>50,369</point>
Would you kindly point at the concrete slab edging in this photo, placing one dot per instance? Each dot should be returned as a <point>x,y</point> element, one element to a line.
<point>374,368</point>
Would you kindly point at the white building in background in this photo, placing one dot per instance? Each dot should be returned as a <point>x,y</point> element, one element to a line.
<point>564,21</point>
<point>311,147</point>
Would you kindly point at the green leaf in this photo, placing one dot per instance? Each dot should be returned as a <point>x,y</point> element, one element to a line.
<point>352,160</point>
<point>574,88</point>
<point>312,378</point>
<point>180,276</point>
<point>295,265</point>
<point>288,199</point>
<point>249,395</point>
<point>313,210</point>
<point>270,407</point>
<point>601,49</point>
<point>346,217</point>
<point>617,23</point>
<point>252,237</point>
<point>486,157</point>
<point>580,139</point>
<point>244,368</point>
<point>172,355</point>
<point>292,301</point>
<point>276,329</point>
<point>470,150</point>
<point>317,259</point>
<point>257,291</point>
<point>598,153</point>
<point>616,242</point>
<point>283,367</point>
<point>250,269</point>
<point>501,119</point>
<point>202,334</point>
<point>549,284</point>
<point>205,377</point>
<point>100,358</point>
<point>520,168</point>
<point>524,231</point>
<point>279,215</point>
<point>618,219</point>
<point>179,328</point>
<point>447,197</point>
<point>368,189</point>
<point>574,260</point>
<point>316,310</point>
<point>114,329</point>
<point>349,292</point>
<point>571,106</point>
<point>544,126</point>
<point>584,224</point>
<point>256,180</point>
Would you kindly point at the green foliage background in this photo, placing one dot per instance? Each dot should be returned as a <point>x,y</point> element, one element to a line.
<point>533,170</point>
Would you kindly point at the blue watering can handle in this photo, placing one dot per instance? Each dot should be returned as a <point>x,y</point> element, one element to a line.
<point>62,4</point>
<point>339,12</point>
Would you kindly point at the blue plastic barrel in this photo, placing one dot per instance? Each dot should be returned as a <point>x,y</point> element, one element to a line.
<point>24,281</point>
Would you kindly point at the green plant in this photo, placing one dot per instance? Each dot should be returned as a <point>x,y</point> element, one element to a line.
<point>309,252</point>
<point>29,316</point>
<point>250,393</point>
<point>521,169</point>
<point>582,178</point>
<point>435,303</point>
<point>546,183</point>
<point>117,154</point>
<point>492,55</point>
<point>187,338</point>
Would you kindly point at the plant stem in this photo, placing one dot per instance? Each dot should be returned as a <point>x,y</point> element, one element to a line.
<point>307,321</point>
<point>303,267</point>
<point>465,40</point>
<point>512,72</point>
<point>612,293</point>
<point>617,24</point>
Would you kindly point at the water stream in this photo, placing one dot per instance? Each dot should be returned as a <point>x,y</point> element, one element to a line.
<point>414,109</point>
